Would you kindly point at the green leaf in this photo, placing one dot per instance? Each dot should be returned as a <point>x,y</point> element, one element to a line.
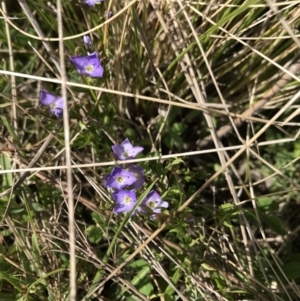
<point>131,298</point>
<point>42,279</point>
<point>145,287</point>
<point>82,141</point>
<point>16,210</point>
<point>9,297</point>
<point>36,248</point>
<point>14,281</point>
<point>38,207</point>
<point>292,270</point>
<point>226,206</point>
<point>227,224</point>
<point>94,234</point>
<point>266,203</point>
<point>10,129</point>
<point>297,149</point>
<point>168,298</point>
<point>97,218</point>
<point>51,296</point>
<point>207,267</point>
<point>35,244</point>
<point>7,178</point>
<point>176,161</point>
<point>141,281</point>
<point>274,223</point>
<point>175,278</point>
<point>140,263</point>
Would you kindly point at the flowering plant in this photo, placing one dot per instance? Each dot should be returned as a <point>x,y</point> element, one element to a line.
<point>55,103</point>
<point>88,65</point>
<point>126,181</point>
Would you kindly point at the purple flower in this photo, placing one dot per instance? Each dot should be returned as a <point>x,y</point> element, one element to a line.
<point>92,2</point>
<point>153,203</point>
<point>126,150</point>
<point>87,41</point>
<point>190,219</point>
<point>55,103</point>
<point>119,178</point>
<point>108,14</point>
<point>125,200</point>
<point>139,175</point>
<point>88,65</point>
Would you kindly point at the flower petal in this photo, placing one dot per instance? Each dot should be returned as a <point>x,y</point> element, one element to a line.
<point>135,151</point>
<point>138,172</point>
<point>57,111</point>
<point>79,61</point>
<point>97,72</point>
<point>47,98</point>
<point>163,204</point>
<point>92,2</point>
<point>118,151</point>
<point>59,103</point>
<point>87,40</point>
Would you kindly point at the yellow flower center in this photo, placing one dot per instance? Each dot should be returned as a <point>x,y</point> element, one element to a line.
<point>89,68</point>
<point>152,204</point>
<point>127,200</point>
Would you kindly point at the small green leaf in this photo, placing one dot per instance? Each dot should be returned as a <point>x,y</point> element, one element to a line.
<point>176,276</point>
<point>9,297</point>
<point>176,161</point>
<point>274,223</point>
<point>35,248</point>
<point>82,141</point>
<point>140,263</point>
<point>10,129</point>
<point>130,298</point>
<point>265,203</point>
<point>16,210</point>
<point>292,270</point>
<point>226,206</point>
<point>207,267</point>
<point>94,234</point>
<point>14,281</point>
<point>97,218</point>
<point>38,207</point>
<point>35,244</point>
<point>168,298</point>
<point>145,287</point>
<point>228,225</point>
<point>7,178</point>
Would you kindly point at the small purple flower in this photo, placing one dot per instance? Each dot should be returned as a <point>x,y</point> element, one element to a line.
<point>154,203</point>
<point>126,150</point>
<point>88,65</point>
<point>55,103</point>
<point>92,2</point>
<point>125,200</point>
<point>87,41</point>
<point>108,14</point>
<point>119,178</point>
<point>139,175</point>
<point>190,219</point>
